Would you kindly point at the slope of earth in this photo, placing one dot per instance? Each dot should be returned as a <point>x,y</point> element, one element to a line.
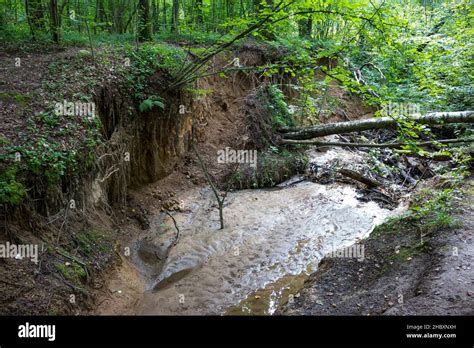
<point>79,250</point>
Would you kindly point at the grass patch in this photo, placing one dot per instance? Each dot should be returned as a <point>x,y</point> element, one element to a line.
<point>409,251</point>
<point>91,242</point>
<point>433,209</point>
<point>430,211</point>
<point>18,98</point>
<point>72,271</point>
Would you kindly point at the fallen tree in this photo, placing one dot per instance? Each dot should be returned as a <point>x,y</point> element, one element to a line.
<point>370,183</point>
<point>383,145</point>
<point>375,123</point>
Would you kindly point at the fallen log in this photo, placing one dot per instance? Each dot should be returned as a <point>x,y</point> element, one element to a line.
<point>370,183</point>
<point>375,123</point>
<point>384,145</point>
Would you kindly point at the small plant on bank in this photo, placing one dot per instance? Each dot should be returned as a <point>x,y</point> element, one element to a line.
<point>274,100</point>
<point>11,191</point>
<point>152,102</point>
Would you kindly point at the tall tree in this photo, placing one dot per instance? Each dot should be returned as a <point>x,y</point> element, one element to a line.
<point>100,14</point>
<point>175,16</point>
<point>199,15</point>
<point>305,26</point>
<point>54,17</point>
<point>145,25</point>
<point>155,15</point>
<point>35,15</point>
<point>164,15</point>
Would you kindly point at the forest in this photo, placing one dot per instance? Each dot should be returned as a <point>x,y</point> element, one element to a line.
<point>236,157</point>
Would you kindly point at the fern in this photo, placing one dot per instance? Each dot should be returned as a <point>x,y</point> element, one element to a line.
<point>152,102</point>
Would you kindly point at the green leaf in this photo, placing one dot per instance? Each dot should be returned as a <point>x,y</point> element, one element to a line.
<point>151,102</point>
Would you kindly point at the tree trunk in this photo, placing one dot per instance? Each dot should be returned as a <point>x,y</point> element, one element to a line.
<point>374,123</point>
<point>35,15</point>
<point>102,15</point>
<point>383,145</point>
<point>175,16</point>
<point>305,25</point>
<point>156,16</point>
<point>242,9</point>
<point>164,15</point>
<point>370,183</point>
<point>221,214</point>
<point>199,16</point>
<point>212,25</point>
<point>145,30</point>
<point>53,8</point>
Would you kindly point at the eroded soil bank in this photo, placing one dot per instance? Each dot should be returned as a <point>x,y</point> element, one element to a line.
<point>273,239</point>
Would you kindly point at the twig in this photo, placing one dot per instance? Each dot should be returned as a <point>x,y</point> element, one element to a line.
<point>175,226</point>
<point>62,225</point>
<point>109,174</point>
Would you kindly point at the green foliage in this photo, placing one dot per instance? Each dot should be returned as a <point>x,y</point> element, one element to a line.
<point>73,271</point>
<point>432,209</point>
<point>152,102</point>
<point>401,55</point>
<point>48,118</point>
<point>428,62</point>
<point>46,155</point>
<point>91,242</point>
<point>146,61</point>
<point>274,100</point>
<point>11,191</point>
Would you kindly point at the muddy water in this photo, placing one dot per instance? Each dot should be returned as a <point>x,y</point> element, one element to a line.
<point>272,240</point>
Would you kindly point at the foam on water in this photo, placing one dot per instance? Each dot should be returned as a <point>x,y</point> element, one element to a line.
<point>269,234</point>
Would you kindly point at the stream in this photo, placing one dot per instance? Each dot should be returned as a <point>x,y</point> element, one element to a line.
<point>273,239</point>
